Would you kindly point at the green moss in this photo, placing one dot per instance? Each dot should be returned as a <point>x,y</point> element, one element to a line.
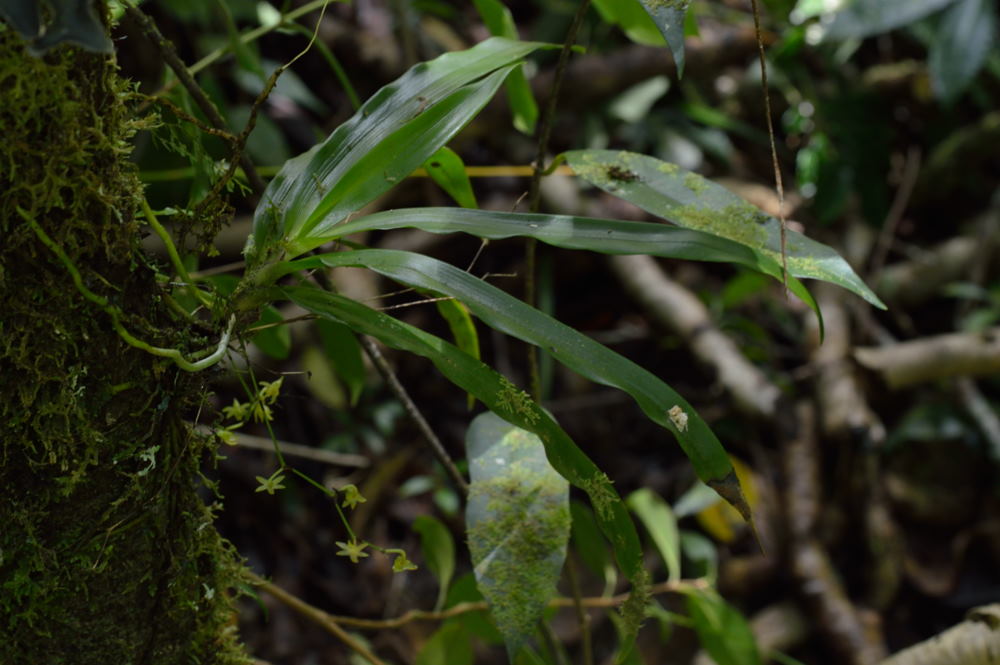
<point>668,168</point>
<point>633,610</point>
<point>741,222</point>
<point>515,402</point>
<point>602,496</point>
<point>520,548</point>
<point>678,5</point>
<point>695,183</point>
<point>104,557</point>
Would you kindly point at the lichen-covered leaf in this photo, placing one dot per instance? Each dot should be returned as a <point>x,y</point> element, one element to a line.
<point>517,522</point>
<point>687,199</point>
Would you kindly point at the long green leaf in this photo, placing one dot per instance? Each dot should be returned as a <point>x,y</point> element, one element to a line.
<point>403,124</point>
<point>689,200</point>
<point>517,522</point>
<point>607,236</point>
<point>501,397</point>
<point>575,350</point>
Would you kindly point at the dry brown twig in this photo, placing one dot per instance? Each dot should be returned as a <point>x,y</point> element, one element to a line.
<point>935,357</point>
<point>322,617</point>
<point>680,310</point>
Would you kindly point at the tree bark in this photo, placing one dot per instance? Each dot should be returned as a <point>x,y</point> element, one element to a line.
<point>107,553</point>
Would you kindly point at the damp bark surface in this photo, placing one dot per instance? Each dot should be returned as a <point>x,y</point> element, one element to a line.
<point>107,552</point>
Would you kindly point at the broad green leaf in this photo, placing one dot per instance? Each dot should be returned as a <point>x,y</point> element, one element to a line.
<point>722,630</point>
<point>500,23</point>
<point>688,199</point>
<point>668,15</point>
<point>659,520</point>
<point>343,353</point>
<point>450,644</point>
<point>439,553</point>
<point>463,329</point>
<point>864,18</point>
<point>964,37</point>
<point>517,524</point>
<point>500,396</point>
<point>448,170</point>
<point>394,132</point>
<point>580,353</point>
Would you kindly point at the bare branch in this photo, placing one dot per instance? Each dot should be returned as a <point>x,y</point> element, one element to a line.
<point>677,308</point>
<point>938,357</point>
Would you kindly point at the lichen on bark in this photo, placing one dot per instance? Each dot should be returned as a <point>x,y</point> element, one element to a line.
<point>107,553</point>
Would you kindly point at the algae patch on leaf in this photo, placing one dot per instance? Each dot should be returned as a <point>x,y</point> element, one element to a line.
<point>518,524</point>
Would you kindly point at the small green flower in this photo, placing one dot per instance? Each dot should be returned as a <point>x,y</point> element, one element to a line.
<point>352,497</point>
<point>353,549</point>
<point>269,390</point>
<point>272,484</point>
<point>261,412</point>
<point>401,563</point>
<point>237,411</point>
<point>226,436</point>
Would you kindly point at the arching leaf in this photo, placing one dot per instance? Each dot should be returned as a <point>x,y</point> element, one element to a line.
<point>500,396</point>
<point>687,199</point>
<point>580,353</point>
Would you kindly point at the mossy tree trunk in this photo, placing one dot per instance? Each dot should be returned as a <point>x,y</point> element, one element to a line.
<point>107,553</point>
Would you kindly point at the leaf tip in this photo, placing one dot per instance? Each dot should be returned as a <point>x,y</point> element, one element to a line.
<point>729,489</point>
